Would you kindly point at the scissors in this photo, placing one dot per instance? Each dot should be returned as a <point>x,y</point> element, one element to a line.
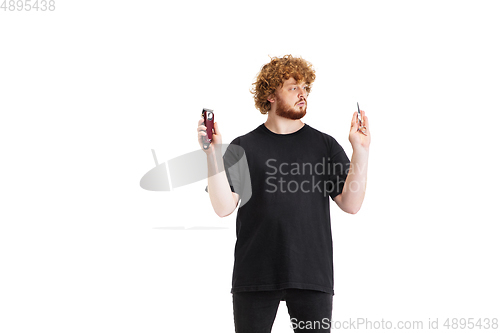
<point>361,128</point>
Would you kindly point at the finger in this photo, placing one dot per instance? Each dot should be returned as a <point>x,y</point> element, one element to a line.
<point>366,123</point>
<point>216,128</point>
<point>200,121</point>
<point>353,120</point>
<point>363,116</point>
<point>202,128</point>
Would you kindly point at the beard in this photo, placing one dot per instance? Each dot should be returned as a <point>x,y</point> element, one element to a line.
<point>290,112</point>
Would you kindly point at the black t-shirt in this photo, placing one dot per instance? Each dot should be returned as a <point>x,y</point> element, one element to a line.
<point>283,228</point>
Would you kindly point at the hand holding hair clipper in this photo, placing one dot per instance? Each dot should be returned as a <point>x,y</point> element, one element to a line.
<point>208,121</point>
<point>209,136</point>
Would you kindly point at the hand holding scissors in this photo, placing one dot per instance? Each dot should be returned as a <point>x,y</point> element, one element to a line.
<point>359,135</point>
<point>361,127</point>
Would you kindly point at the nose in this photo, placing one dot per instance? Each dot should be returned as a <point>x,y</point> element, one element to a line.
<point>302,92</point>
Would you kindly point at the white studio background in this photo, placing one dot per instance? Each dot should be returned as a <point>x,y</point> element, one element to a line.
<point>87,90</point>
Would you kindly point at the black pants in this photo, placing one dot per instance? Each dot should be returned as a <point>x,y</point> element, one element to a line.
<point>310,310</point>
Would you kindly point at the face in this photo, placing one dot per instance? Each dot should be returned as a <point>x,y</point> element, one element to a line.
<point>291,100</point>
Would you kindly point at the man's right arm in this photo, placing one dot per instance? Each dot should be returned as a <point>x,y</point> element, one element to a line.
<point>223,200</point>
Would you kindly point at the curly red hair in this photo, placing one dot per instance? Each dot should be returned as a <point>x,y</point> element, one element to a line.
<point>273,74</point>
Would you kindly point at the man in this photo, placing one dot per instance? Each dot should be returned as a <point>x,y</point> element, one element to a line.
<point>283,250</point>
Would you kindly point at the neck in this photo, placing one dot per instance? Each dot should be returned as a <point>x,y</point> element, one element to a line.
<point>280,125</point>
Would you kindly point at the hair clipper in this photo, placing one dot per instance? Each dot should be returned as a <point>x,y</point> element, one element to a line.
<point>208,118</point>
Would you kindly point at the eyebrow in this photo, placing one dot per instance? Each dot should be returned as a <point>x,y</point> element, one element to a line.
<point>295,83</point>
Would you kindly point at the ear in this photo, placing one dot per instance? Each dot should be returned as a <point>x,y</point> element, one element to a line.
<point>271,98</point>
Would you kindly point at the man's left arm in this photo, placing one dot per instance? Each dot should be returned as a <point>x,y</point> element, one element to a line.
<point>353,193</point>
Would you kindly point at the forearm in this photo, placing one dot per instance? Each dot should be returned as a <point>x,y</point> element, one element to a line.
<point>220,193</point>
<point>354,190</point>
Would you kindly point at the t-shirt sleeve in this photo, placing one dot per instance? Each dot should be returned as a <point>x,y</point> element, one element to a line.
<point>340,165</point>
<point>232,158</point>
